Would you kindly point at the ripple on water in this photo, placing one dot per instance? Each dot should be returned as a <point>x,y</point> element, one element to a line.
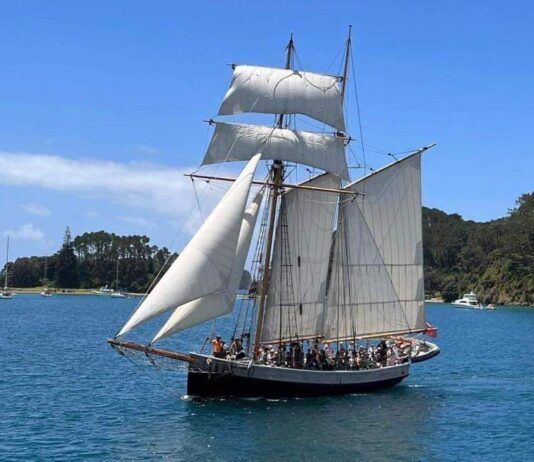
<point>66,395</point>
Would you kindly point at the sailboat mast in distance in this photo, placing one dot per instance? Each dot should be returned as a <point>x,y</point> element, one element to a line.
<point>7,261</point>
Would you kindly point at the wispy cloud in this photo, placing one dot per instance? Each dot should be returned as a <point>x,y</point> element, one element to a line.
<point>139,222</point>
<point>139,185</point>
<point>92,214</point>
<point>36,209</point>
<point>27,232</point>
<point>146,149</point>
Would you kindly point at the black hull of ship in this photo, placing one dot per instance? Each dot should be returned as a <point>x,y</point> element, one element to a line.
<point>223,379</point>
<point>204,385</point>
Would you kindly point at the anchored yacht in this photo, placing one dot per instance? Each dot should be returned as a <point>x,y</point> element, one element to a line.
<point>469,301</point>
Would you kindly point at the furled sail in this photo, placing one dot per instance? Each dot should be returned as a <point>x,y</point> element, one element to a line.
<point>205,265</point>
<point>238,142</point>
<point>376,285</point>
<point>218,303</point>
<point>285,91</point>
<point>297,288</point>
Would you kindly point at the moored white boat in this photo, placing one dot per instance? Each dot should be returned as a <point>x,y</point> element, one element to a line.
<point>46,292</point>
<point>104,290</point>
<point>468,301</point>
<point>119,294</point>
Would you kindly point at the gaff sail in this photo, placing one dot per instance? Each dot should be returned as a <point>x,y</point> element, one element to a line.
<point>376,285</point>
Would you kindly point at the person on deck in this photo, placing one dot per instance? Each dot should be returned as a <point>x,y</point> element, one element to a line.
<point>341,358</point>
<point>218,347</point>
<point>298,356</point>
<point>236,349</point>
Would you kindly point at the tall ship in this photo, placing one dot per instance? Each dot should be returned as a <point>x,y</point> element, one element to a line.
<point>337,294</point>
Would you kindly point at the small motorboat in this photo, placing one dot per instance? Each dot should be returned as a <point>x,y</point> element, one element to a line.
<point>491,307</point>
<point>119,294</point>
<point>103,291</point>
<point>424,350</point>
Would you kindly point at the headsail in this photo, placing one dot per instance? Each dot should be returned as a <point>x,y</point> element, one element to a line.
<point>377,278</point>
<point>237,142</point>
<point>297,288</point>
<point>205,265</point>
<point>219,303</point>
<point>285,91</point>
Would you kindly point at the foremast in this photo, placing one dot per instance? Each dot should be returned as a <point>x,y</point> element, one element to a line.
<point>277,178</point>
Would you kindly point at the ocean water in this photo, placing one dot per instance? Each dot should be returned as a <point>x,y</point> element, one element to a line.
<point>66,395</point>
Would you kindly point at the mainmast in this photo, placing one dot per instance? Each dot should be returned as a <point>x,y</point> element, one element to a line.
<point>277,177</point>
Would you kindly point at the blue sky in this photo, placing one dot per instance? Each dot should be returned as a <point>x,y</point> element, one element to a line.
<point>102,103</point>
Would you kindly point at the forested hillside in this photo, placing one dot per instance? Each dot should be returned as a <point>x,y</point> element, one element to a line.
<point>494,259</point>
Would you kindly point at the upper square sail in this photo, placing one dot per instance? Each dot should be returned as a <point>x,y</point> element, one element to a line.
<point>238,142</point>
<point>284,91</point>
<point>205,265</point>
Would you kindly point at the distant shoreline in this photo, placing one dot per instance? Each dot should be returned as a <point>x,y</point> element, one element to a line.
<point>38,290</point>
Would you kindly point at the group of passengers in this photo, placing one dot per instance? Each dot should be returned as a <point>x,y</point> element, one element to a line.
<point>319,356</point>
<point>234,351</point>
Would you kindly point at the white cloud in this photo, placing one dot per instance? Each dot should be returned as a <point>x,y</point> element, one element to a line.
<point>27,232</point>
<point>138,185</point>
<point>36,209</point>
<point>139,222</point>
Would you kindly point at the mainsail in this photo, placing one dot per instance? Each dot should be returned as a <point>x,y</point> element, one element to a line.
<point>297,287</point>
<point>238,142</point>
<point>285,91</point>
<point>218,303</point>
<point>205,265</point>
<point>376,286</point>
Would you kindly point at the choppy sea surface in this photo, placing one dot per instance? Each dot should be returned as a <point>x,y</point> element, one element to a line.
<point>66,395</point>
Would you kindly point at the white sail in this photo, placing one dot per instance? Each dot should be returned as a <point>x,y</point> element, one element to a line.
<point>282,91</point>
<point>238,142</point>
<point>376,284</point>
<point>219,303</point>
<point>301,252</point>
<point>205,265</point>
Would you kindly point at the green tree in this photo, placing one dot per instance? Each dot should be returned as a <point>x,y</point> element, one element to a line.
<point>66,264</point>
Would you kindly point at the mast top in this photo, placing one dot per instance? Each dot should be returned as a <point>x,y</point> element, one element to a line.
<point>346,66</point>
